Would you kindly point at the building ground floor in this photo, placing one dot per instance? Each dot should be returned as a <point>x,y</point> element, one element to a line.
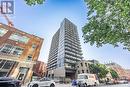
<point>62,74</point>
<point>12,67</point>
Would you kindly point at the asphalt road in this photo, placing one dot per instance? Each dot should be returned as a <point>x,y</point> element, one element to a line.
<point>69,85</point>
<point>118,85</point>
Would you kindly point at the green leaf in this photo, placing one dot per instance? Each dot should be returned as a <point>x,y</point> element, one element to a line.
<point>108,23</point>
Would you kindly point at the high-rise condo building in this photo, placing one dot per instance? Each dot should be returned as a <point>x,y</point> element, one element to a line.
<point>65,51</point>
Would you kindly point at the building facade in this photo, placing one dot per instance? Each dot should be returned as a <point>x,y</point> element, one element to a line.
<point>93,61</point>
<point>65,51</point>
<point>128,74</point>
<point>120,71</point>
<point>82,67</point>
<point>39,69</point>
<point>19,51</point>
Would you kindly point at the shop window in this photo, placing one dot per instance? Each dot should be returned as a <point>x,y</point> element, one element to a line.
<point>8,65</point>
<point>3,74</point>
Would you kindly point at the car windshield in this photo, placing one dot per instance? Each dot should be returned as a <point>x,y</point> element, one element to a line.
<point>82,77</point>
<point>45,79</point>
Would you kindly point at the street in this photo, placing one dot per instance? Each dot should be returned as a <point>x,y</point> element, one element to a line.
<point>69,85</point>
<point>118,85</point>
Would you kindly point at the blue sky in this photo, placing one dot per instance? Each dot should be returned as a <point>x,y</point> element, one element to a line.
<point>44,20</point>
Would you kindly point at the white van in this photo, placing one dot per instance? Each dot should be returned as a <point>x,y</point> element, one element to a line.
<point>86,79</point>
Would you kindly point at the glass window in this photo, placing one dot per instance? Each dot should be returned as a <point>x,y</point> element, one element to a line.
<point>45,79</point>
<point>86,64</point>
<point>82,71</point>
<point>34,46</point>
<point>82,77</point>
<point>7,48</point>
<point>19,38</point>
<point>18,51</point>
<point>81,64</point>
<point>87,71</point>
<point>2,74</point>
<point>29,57</point>
<point>8,65</point>
<point>3,31</point>
<point>2,63</point>
<point>13,50</point>
<point>23,70</point>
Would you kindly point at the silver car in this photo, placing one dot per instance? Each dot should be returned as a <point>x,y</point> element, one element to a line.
<point>44,82</point>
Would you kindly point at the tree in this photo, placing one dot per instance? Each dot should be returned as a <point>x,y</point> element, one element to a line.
<point>99,69</point>
<point>108,23</point>
<point>114,74</point>
<point>34,2</point>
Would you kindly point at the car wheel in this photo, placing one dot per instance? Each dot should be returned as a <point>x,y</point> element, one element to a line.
<point>11,85</point>
<point>95,84</point>
<point>85,85</point>
<point>35,85</point>
<point>52,85</point>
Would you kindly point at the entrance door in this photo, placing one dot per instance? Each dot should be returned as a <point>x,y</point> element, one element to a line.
<point>22,73</point>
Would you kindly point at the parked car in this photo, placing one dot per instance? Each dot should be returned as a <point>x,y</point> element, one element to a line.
<point>110,82</point>
<point>123,82</point>
<point>86,79</point>
<point>44,82</point>
<point>9,82</point>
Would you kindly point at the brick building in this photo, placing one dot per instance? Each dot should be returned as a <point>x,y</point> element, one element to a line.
<point>120,71</point>
<point>40,69</point>
<point>18,53</point>
<point>128,74</point>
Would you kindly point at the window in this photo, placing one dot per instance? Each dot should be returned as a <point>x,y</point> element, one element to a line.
<point>3,31</point>
<point>82,77</point>
<point>18,51</point>
<point>29,57</point>
<point>34,46</point>
<point>7,49</point>
<point>19,38</point>
<point>86,65</point>
<point>87,71</point>
<point>8,64</point>
<point>82,71</point>
<point>3,74</point>
<point>2,63</point>
<point>45,79</point>
<point>78,72</point>
<point>81,64</point>
<point>10,49</point>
